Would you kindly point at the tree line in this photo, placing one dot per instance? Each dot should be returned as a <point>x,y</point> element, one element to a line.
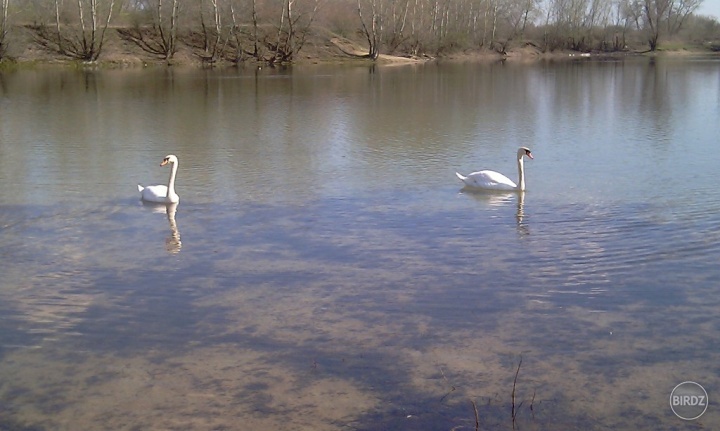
<point>276,30</point>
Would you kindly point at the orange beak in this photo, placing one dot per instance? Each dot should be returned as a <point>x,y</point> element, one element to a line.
<point>164,162</point>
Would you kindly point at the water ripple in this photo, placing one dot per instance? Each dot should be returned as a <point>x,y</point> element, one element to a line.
<point>588,247</point>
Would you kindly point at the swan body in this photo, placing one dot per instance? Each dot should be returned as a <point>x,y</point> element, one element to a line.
<point>487,180</point>
<point>161,193</point>
<point>491,180</point>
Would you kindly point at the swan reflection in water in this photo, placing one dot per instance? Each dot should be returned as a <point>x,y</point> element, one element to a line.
<point>500,199</point>
<point>172,242</point>
<point>522,225</point>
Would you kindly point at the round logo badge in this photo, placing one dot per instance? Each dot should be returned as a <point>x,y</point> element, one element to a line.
<point>688,400</point>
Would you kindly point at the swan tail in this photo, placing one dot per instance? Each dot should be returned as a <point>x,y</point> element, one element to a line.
<point>463,178</point>
<point>140,188</point>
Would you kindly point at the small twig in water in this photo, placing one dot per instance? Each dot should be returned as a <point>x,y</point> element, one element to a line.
<point>532,401</point>
<point>514,412</point>
<point>477,416</point>
<point>446,395</point>
<point>452,387</point>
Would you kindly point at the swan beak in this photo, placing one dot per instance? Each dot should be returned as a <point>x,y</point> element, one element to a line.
<point>164,162</point>
<point>529,154</point>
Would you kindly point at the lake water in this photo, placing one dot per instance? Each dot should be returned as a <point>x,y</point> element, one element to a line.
<point>324,270</point>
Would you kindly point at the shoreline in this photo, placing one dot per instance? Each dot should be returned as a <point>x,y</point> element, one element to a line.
<point>25,52</point>
<point>384,60</point>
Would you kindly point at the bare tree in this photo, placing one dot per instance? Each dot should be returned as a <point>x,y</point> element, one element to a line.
<point>284,44</point>
<point>235,33</point>
<point>83,39</point>
<point>572,24</point>
<point>372,29</point>
<point>240,37</point>
<point>160,38</point>
<point>292,30</point>
<point>665,17</point>
<point>490,16</point>
<point>679,11</point>
<point>655,11</point>
<point>213,45</point>
<point>255,52</point>
<point>516,14</point>
<point>397,22</point>
<point>621,21</point>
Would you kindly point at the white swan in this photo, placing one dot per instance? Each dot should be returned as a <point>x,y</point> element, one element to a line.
<point>491,180</point>
<point>161,193</point>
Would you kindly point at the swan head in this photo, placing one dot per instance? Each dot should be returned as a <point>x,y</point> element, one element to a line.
<point>524,151</point>
<point>170,158</point>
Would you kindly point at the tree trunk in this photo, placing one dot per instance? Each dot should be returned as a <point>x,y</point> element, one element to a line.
<point>61,50</point>
<point>4,29</point>
<point>255,30</point>
<point>372,34</point>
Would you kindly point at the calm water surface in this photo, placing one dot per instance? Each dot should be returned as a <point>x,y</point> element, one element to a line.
<point>324,270</point>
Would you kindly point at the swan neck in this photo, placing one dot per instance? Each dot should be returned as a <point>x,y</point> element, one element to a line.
<point>521,174</point>
<point>171,181</point>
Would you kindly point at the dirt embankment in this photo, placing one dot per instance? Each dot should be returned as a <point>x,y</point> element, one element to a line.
<point>23,45</point>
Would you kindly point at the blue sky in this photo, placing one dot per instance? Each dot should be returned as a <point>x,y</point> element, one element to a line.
<point>710,7</point>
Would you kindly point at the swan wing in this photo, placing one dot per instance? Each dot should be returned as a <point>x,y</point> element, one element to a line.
<point>488,180</point>
<point>154,193</point>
